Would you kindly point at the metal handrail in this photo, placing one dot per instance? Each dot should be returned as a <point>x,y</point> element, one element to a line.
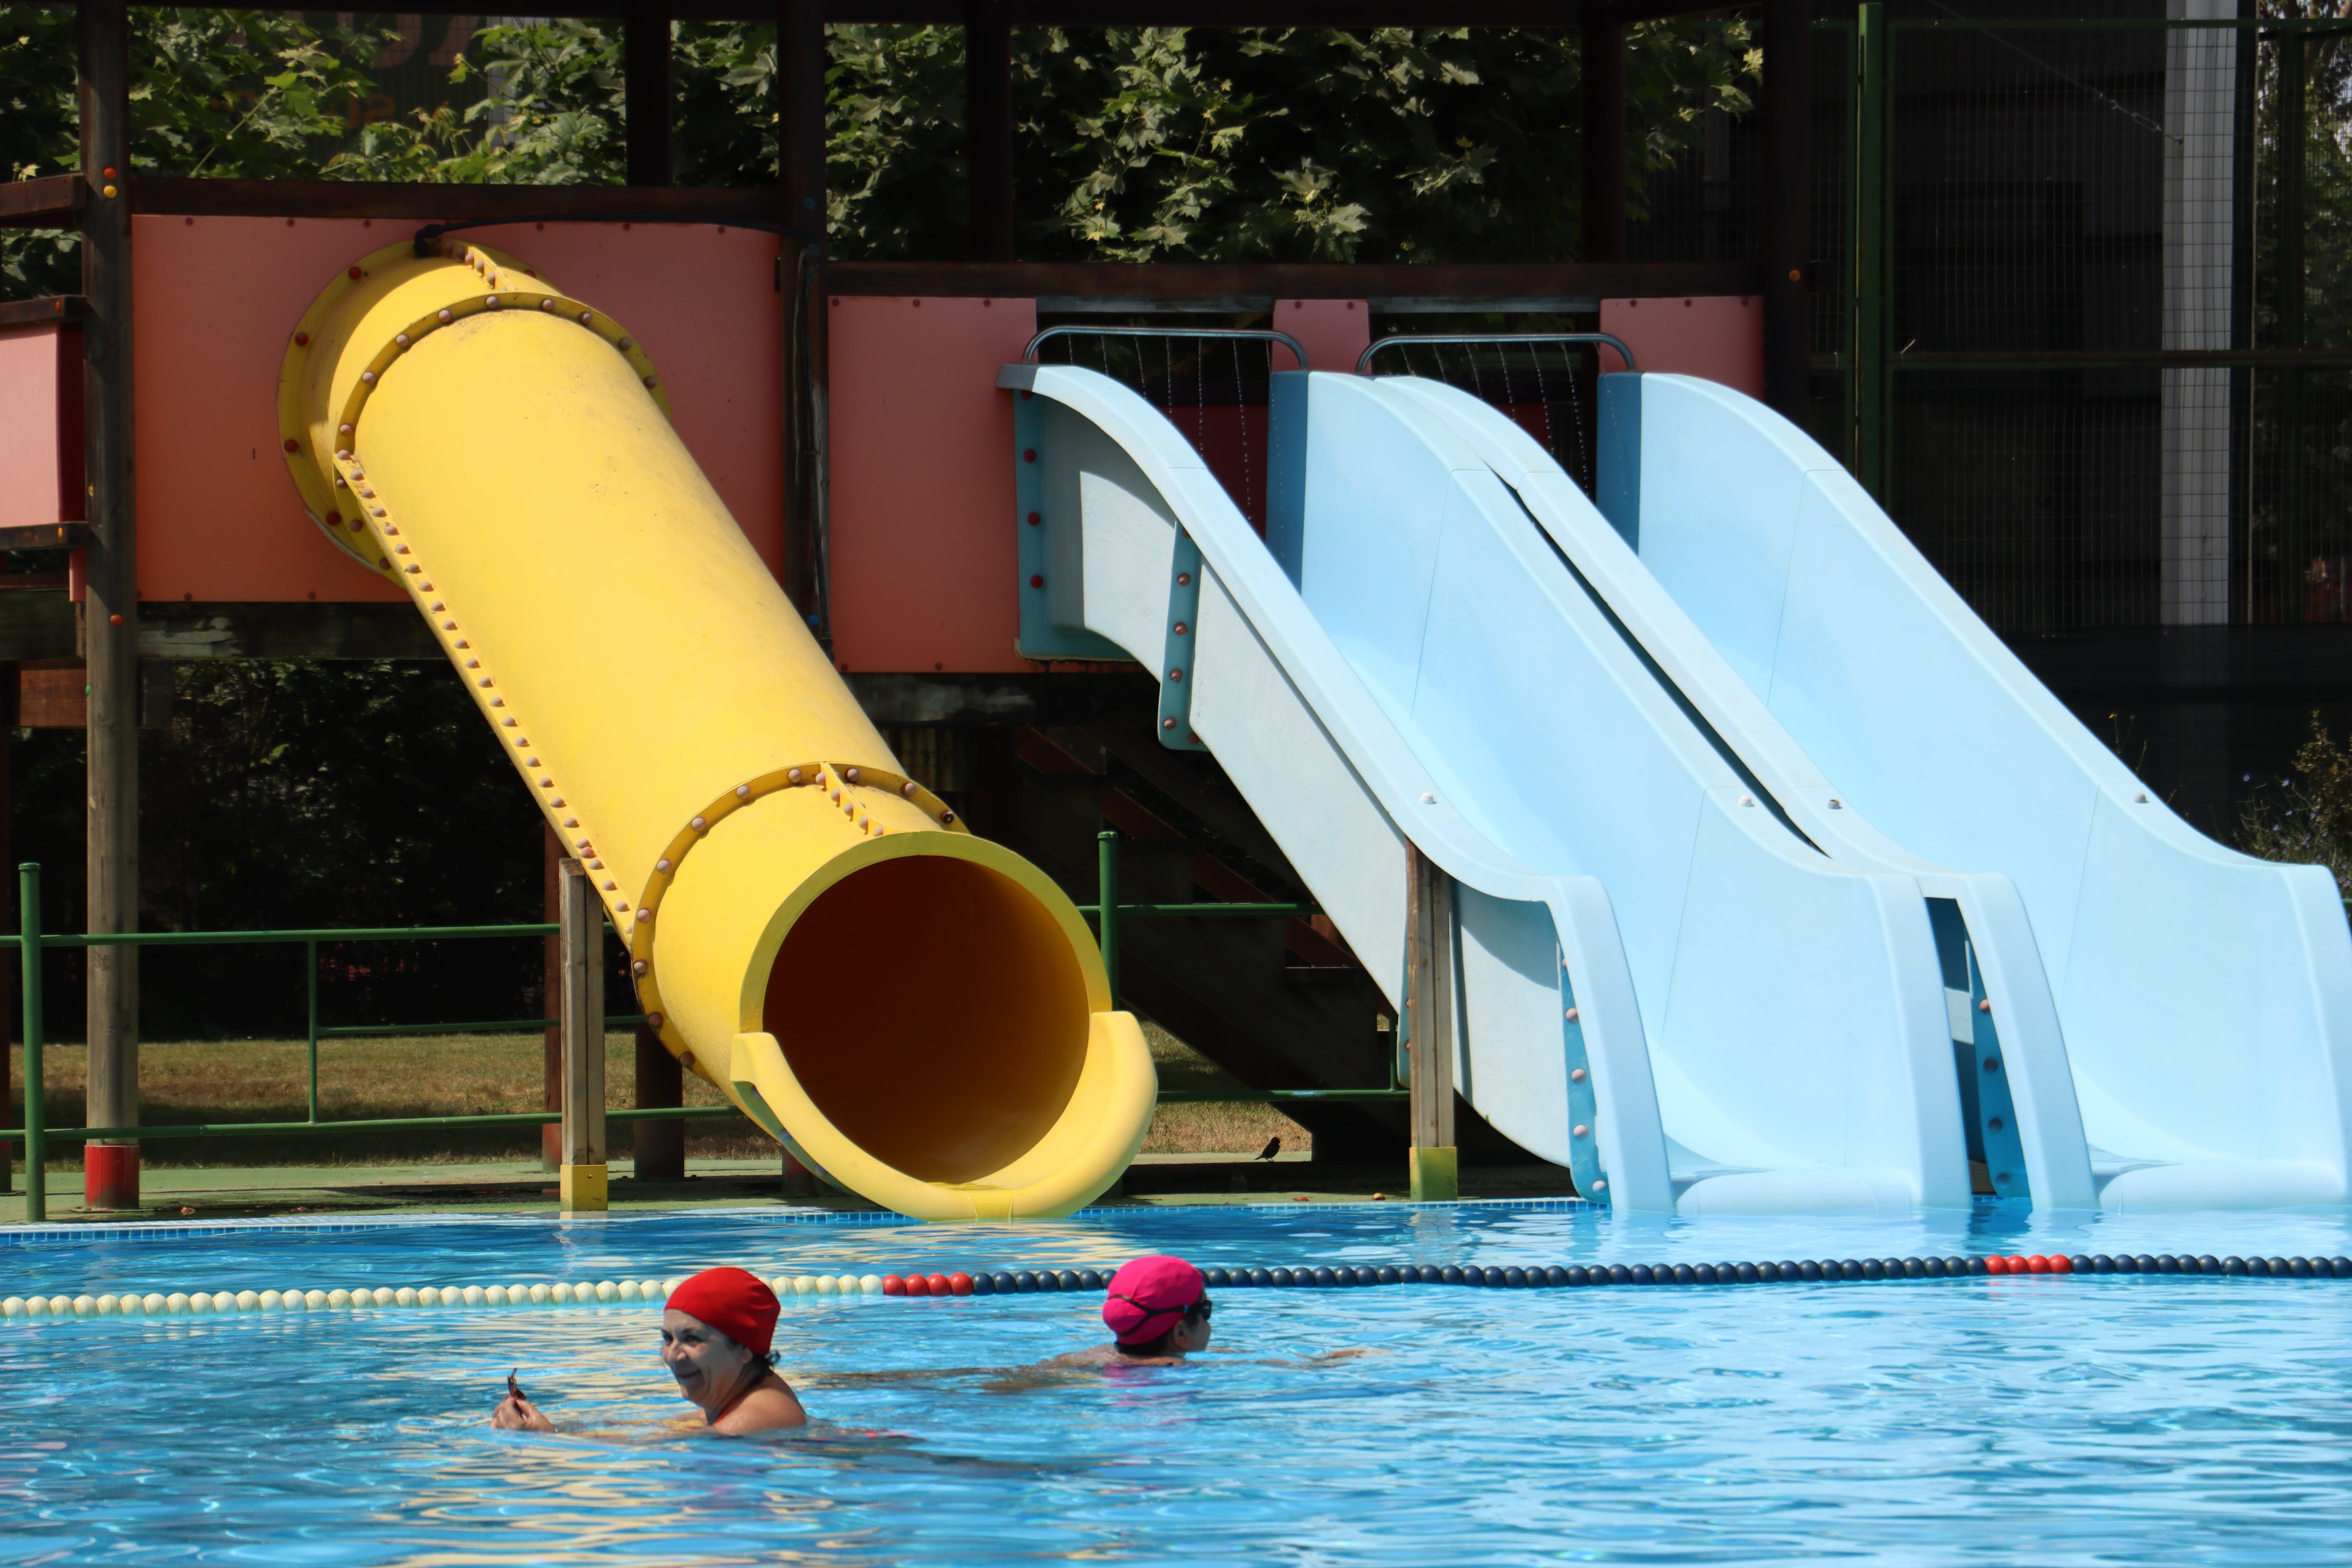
<point>1267,335</point>
<point>34,1137</point>
<point>1364,360</point>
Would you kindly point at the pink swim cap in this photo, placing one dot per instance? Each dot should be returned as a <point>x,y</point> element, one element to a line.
<point>1149,1296</point>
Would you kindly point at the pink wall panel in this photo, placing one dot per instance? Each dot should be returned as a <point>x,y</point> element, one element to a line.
<point>921,523</point>
<point>217,298</point>
<point>40,426</point>
<point>1335,331</point>
<point>1719,337</point>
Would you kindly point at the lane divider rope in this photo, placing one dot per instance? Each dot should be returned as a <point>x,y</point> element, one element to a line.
<point>610,1292</point>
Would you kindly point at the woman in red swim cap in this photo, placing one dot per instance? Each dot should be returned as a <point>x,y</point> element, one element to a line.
<point>1157,1310</point>
<point>717,1331</point>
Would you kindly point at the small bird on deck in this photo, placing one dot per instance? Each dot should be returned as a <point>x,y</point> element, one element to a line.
<point>1273,1147</point>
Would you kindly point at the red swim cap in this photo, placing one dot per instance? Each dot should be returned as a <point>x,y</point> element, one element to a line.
<point>733,1302</point>
<point>1149,1296</point>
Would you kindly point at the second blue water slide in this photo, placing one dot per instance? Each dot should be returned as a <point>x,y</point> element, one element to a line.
<point>1413,658</point>
<point>2205,997</point>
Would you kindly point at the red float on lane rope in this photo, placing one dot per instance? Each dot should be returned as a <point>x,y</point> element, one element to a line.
<point>893,1285</point>
<point>960,1283</point>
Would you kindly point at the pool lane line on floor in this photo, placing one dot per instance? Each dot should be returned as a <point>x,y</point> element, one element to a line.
<point>180,1230</point>
<point>608,1292</point>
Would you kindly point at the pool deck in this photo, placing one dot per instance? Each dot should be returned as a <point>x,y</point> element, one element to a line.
<point>521,1187</point>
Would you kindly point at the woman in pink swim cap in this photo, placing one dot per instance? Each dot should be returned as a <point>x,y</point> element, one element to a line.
<point>1157,1310</point>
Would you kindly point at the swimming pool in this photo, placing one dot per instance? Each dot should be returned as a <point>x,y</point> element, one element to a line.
<point>2032,1420</point>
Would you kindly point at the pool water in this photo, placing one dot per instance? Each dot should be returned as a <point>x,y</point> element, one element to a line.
<point>2037,1420</point>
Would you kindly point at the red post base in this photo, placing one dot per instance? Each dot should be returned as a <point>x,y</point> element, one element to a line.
<point>109,1176</point>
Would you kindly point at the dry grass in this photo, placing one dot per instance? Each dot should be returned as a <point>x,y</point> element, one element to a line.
<point>1210,1128</point>
<point>459,1075</point>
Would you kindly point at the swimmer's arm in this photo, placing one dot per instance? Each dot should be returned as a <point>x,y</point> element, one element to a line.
<point>516,1413</point>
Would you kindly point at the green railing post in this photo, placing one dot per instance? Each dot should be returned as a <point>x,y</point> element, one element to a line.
<point>1106,903</point>
<point>310,1027</point>
<point>37,1111</point>
<point>1873,324</point>
<point>2294,285</point>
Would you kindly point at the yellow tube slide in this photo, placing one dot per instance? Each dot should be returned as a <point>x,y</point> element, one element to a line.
<point>919,1015</point>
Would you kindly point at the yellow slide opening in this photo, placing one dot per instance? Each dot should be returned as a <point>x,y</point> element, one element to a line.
<point>919,1015</point>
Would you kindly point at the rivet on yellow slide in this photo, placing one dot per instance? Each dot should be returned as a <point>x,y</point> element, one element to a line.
<point>919,1015</point>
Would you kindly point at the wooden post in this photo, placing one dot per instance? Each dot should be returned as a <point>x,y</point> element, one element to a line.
<point>801,119</point>
<point>661,1082</point>
<point>645,61</point>
<point>109,1171</point>
<point>1787,238</point>
<point>1428,1011</point>
<point>8,898</point>
<point>988,130</point>
<point>583,1186</point>
<point>1601,127</point>
<point>551,958</point>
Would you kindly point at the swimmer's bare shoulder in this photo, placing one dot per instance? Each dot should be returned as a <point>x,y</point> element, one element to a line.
<point>1107,1355</point>
<point>772,1406</point>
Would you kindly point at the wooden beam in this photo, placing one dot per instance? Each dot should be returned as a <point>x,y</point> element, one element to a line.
<point>1387,286</point>
<point>800,60</point>
<point>1601,119</point>
<point>1124,13</point>
<point>657,1149</point>
<point>988,130</point>
<point>584,1170</point>
<point>1351,14</point>
<point>1788,236</point>
<point>551,861</point>
<point>452,204</point>
<point>1120,697</point>
<point>110,604</point>
<point>56,309</point>
<point>182,630</point>
<point>1429,1012</point>
<point>646,75</point>
<point>53,201</point>
<point>44,535</point>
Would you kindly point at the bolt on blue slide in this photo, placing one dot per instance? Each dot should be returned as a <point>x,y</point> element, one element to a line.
<point>1703,962</point>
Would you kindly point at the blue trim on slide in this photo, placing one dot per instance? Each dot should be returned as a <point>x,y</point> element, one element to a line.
<point>1286,481</point>
<point>1617,475</point>
<point>1039,636</point>
<point>1184,641</point>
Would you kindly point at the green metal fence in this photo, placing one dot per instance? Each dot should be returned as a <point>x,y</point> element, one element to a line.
<point>32,942</point>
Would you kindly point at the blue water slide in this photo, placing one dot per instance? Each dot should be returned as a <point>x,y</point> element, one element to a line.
<point>2009,1057</point>
<point>1137,549</point>
<point>2205,996</point>
<point>1413,627</point>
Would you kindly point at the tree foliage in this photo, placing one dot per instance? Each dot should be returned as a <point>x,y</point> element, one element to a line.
<point>1132,143</point>
<point>2306,819</point>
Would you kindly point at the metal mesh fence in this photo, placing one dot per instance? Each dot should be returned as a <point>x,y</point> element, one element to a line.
<point>1545,388</point>
<point>1214,390</point>
<point>2088,335</point>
